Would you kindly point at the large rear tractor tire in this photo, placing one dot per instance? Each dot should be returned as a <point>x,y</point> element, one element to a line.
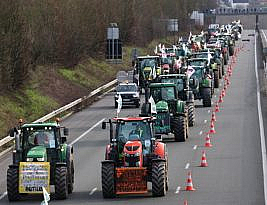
<point>108,180</point>
<point>231,50</point>
<point>206,97</point>
<point>191,114</point>
<point>61,183</point>
<point>13,184</point>
<point>179,128</point>
<point>71,178</point>
<point>159,179</point>
<point>220,72</point>
<point>216,79</point>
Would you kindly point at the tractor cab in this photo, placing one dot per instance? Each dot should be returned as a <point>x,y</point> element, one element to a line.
<point>131,140</point>
<point>163,92</point>
<point>41,158</point>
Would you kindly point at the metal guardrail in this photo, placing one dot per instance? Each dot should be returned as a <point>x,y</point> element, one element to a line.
<point>76,105</point>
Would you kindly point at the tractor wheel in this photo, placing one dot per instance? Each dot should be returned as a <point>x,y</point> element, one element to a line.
<point>179,128</point>
<point>191,114</point>
<point>225,59</point>
<point>206,97</point>
<point>71,177</point>
<point>231,50</point>
<point>158,179</point>
<point>216,79</point>
<point>13,184</point>
<point>108,180</point>
<point>61,183</point>
<point>220,72</point>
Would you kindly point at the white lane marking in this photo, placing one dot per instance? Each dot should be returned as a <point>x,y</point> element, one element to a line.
<point>92,191</point>
<point>187,166</point>
<point>178,190</point>
<point>3,195</point>
<point>263,146</point>
<point>200,133</point>
<point>195,147</point>
<point>86,132</point>
<point>205,121</point>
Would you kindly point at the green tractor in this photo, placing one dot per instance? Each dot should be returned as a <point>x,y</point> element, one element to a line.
<point>171,113</point>
<point>200,80</point>
<point>41,158</point>
<point>148,69</point>
<point>184,92</point>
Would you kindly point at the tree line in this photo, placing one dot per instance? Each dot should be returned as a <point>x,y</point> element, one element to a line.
<point>64,32</point>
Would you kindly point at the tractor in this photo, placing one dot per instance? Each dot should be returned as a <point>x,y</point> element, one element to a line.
<point>200,80</point>
<point>134,157</point>
<point>147,68</point>
<point>41,158</point>
<point>171,113</point>
<point>184,92</point>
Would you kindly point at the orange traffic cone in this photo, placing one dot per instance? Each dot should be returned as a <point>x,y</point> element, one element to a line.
<point>213,117</point>
<point>212,128</point>
<point>228,82</point>
<point>220,99</point>
<point>223,92</point>
<point>189,183</point>
<point>204,162</point>
<point>217,109</point>
<point>208,143</point>
<point>230,73</point>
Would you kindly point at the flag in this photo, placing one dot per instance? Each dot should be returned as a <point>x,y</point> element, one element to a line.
<point>189,38</point>
<point>190,71</point>
<point>153,105</point>
<point>119,104</point>
<point>46,197</point>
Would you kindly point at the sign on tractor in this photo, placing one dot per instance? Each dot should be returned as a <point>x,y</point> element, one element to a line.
<point>33,176</point>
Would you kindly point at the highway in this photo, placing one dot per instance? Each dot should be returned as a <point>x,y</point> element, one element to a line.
<point>234,174</point>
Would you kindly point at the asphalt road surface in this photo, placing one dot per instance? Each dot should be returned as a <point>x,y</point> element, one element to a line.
<point>234,174</point>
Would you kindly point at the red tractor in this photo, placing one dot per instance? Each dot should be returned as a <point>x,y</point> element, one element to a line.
<point>134,157</point>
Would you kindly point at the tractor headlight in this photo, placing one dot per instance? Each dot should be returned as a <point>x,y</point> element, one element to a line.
<point>30,159</point>
<point>40,159</point>
<point>137,154</point>
<point>127,155</point>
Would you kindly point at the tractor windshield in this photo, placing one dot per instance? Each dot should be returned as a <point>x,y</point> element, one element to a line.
<point>163,93</point>
<point>176,81</point>
<point>197,63</point>
<point>148,63</point>
<point>34,136</point>
<point>133,130</point>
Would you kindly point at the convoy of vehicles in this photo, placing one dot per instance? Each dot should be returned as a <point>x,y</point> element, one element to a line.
<point>172,80</point>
